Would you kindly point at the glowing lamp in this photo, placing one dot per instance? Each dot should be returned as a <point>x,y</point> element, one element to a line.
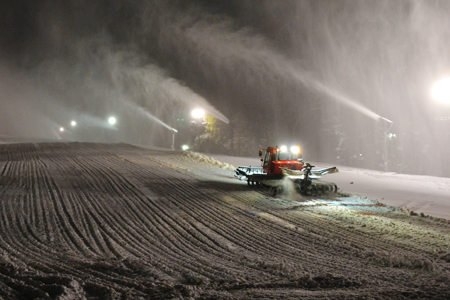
<point>295,149</point>
<point>185,147</point>
<point>112,120</point>
<point>283,148</point>
<point>198,113</point>
<point>73,123</point>
<point>441,90</point>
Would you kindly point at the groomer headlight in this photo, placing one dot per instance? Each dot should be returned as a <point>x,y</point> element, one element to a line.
<point>295,149</point>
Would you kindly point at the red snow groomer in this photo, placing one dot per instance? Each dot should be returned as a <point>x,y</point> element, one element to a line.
<point>278,163</point>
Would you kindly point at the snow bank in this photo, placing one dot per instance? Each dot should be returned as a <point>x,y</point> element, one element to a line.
<point>209,160</point>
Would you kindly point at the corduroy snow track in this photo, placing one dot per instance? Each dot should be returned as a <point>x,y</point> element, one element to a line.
<point>117,221</point>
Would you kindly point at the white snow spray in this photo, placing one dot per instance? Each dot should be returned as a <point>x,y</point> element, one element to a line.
<point>122,82</point>
<point>337,96</point>
<point>152,117</point>
<point>190,98</point>
<point>289,190</point>
<point>153,89</point>
<point>145,113</point>
<point>243,53</point>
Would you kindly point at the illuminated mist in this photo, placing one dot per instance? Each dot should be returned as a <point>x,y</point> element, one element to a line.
<point>322,74</point>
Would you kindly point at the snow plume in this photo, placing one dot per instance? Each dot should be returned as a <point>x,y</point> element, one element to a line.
<point>150,86</point>
<point>236,62</point>
<point>27,110</point>
<point>276,62</point>
<point>92,73</point>
<point>241,63</point>
<point>289,190</point>
<point>161,57</point>
<point>386,55</point>
<point>100,80</point>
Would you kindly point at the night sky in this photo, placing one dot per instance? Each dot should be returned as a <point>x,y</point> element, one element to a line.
<point>315,73</point>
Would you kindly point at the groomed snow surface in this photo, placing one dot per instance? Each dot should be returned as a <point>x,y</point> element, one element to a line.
<point>115,221</point>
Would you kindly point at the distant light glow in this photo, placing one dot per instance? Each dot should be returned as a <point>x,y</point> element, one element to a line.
<point>112,120</point>
<point>198,113</point>
<point>441,90</point>
<point>283,149</point>
<point>295,149</point>
<point>73,123</point>
<point>61,129</point>
<point>185,147</point>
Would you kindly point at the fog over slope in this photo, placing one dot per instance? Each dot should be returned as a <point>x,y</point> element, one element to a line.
<point>318,73</point>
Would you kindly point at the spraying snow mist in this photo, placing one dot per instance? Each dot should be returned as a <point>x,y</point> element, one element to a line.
<point>322,74</point>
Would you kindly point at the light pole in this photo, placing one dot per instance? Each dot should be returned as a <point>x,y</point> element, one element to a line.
<point>387,121</point>
<point>198,115</point>
<point>173,138</point>
<point>111,131</point>
<point>440,92</point>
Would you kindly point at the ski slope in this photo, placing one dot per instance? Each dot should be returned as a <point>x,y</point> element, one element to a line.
<point>117,221</point>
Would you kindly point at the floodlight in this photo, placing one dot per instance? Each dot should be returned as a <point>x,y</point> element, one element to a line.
<point>441,90</point>
<point>295,149</point>
<point>198,113</point>
<point>112,120</point>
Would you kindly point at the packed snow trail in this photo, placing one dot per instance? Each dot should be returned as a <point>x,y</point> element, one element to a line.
<point>102,221</point>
